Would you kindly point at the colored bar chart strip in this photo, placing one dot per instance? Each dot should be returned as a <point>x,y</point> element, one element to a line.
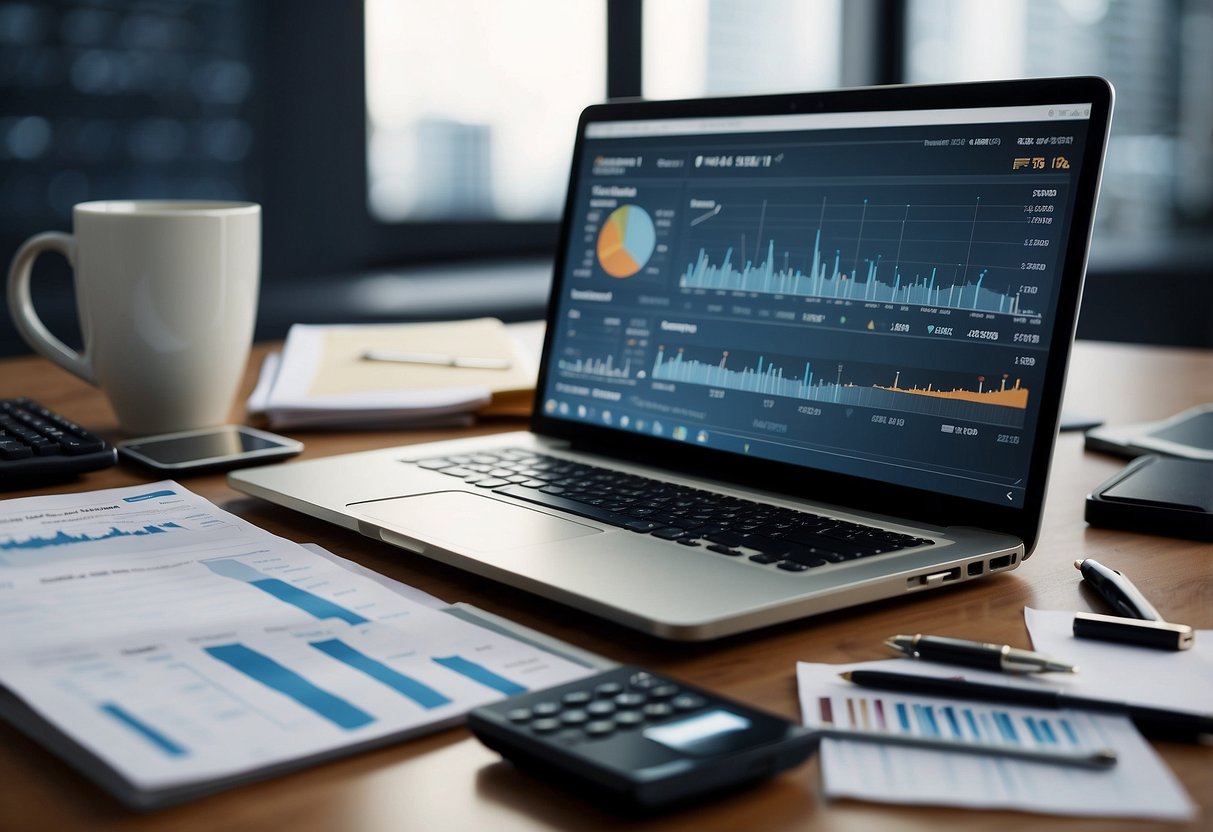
<point>147,732</point>
<point>270,673</point>
<point>481,674</point>
<point>1004,404</point>
<point>309,602</point>
<point>62,538</point>
<point>422,694</point>
<point>834,283</point>
<point>339,711</point>
<point>949,722</point>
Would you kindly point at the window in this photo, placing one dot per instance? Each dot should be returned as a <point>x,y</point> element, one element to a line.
<point>1159,166</point>
<point>472,103</point>
<point>695,48</point>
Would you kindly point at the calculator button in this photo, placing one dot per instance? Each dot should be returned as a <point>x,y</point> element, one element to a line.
<point>576,697</point>
<point>630,699</point>
<point>629,719</point>
<point>688,701</point>
<point>600,707</point>
<point>656,710</point>
<point>663,691</point>
<point>600,728</point>
<point>519,715</point>
<point>643,681</point>
<point>546,709</point>
<point>575,716</point>
<point>608,689</point>
<point>545,725</point>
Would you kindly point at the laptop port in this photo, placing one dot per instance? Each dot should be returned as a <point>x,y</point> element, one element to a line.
<point>1002,562</point>
<point>933,579</point>
<point>976,568</point>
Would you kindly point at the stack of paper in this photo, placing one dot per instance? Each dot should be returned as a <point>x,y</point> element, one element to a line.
<point>168,648</point>
<point>323,377</point>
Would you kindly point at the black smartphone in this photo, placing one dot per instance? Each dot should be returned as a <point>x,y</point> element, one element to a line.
<point>226,446</point>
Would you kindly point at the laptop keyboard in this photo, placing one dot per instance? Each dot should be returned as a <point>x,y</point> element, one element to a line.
<point>785,538</point>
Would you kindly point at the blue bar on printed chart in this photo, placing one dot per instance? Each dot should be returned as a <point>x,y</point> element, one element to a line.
<point>953,722</point>
<point>423,695</point>
<point>1005,727</point>
<point>960,723</point>
<point>481,674</point>
<point>144,730</point>
<point>289,683</point>
<point>287,593</point>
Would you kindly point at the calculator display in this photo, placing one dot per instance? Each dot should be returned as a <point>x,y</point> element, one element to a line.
<point>705,733</point>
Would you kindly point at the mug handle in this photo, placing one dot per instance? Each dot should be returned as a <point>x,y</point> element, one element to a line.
<point>21,304</point>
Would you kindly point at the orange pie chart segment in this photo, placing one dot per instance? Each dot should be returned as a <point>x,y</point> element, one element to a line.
<point>626,241</point>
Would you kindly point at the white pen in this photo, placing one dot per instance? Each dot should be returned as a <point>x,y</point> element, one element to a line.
<point>472,363</point>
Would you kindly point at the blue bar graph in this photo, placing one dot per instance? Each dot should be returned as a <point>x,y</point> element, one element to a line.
<point>309,602</point>
<point>273,675</point>
<point>952,286</point>
<point>481,674</point>
<point>1003,402</point>
<point>144,730</point>
<point>422,694</point>
<point>62,538</point>
<point>971,720</point>
<point>1070,733</point>
<point>952,722</point>
<point>1006,727</point>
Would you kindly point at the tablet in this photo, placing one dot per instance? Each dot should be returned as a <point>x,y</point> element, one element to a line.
<point>1188,435</point>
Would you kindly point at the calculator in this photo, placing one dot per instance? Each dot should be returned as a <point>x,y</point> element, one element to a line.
<point>631,736</point>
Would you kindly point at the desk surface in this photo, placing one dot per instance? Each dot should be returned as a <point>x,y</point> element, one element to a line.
<point>449,781</point>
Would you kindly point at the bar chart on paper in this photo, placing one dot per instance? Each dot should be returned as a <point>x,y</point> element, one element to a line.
<point>958,723</point>
<point>146,521</point>
<point>181,644</point>
<point>1138,785</point>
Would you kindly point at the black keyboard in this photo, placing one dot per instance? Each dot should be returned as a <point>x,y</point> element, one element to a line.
<point>785,538</point>
<point>37,443</point>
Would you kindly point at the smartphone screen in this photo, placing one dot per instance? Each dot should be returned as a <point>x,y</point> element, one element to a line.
<point>229,444</point>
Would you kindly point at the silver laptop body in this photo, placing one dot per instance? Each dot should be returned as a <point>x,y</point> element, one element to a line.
<point>856,304</point>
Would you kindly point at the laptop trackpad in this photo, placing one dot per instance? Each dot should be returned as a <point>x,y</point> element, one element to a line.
<point>465,522</point>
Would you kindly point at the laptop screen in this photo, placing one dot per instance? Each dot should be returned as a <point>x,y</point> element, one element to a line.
<point>868,293</point>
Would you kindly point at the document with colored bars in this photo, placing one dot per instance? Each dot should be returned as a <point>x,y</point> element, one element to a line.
<point>168,648</point>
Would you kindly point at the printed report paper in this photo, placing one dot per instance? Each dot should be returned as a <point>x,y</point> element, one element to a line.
<point>182,645</point>
<point>1139,785</point>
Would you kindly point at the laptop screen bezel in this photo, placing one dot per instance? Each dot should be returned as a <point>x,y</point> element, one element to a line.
<point>825,486</point>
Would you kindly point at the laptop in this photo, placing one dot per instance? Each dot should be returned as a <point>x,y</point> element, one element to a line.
<point>803,352</point>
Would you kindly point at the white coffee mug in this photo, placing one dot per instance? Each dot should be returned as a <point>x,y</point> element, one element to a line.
<point>167,297</point>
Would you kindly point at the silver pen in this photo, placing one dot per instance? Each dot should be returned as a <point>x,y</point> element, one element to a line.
<point>1099,758</point>
<point>1001,657</point>
<point>439,360</point>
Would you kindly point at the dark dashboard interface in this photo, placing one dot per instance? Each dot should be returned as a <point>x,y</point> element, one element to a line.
<point>865,293</point>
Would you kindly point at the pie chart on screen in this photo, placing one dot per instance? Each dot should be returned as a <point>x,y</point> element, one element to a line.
<point>626,241</point>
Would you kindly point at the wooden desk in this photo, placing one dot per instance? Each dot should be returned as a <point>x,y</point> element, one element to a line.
<point>449,781</point>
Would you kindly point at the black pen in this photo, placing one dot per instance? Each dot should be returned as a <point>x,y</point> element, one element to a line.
<point>1112,586</point>
<point>1157,721</point>
<point>1001,657</point>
